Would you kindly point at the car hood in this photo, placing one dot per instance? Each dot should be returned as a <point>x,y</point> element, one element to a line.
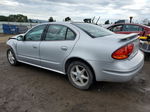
<point>15,37</point>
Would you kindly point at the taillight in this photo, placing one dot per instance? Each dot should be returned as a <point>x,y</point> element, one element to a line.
<point>124,52</point>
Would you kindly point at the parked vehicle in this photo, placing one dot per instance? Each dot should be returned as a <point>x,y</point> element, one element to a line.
<point>83,51</point>
<point>142,30</point>
<point>145,43</point>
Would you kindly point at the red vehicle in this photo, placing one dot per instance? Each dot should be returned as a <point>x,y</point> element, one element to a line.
<point>127,28</point>
<point>142,30</point>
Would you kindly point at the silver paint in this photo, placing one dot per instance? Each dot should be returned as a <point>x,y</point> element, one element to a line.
<point>53,55</point>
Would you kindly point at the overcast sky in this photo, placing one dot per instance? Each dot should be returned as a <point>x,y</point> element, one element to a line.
<point>77,9</point>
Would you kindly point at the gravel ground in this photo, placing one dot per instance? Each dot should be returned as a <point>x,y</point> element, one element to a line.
<point>29,89</point>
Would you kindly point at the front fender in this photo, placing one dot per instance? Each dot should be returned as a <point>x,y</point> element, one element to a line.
<point>12,43</point>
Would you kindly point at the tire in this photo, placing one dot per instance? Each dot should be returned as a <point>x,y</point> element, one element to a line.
<point>80,75</point>
<point>11,57</point>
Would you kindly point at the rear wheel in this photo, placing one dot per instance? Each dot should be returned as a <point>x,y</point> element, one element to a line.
<point>11,57</point>
<point>80,75</point>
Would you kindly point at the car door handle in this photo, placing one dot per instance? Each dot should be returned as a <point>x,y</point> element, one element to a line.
<point>64,48</point>
<point>34,47</point>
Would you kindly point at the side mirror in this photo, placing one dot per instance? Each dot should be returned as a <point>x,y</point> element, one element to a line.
<point>20,38</point>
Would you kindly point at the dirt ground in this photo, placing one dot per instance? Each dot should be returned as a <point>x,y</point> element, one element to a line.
<point>4,38</point>
<point>29,89</point>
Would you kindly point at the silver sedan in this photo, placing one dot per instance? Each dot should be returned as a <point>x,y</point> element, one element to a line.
<point>84,52</point>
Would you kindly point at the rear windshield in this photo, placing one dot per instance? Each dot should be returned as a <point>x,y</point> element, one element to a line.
<point>94,31</point>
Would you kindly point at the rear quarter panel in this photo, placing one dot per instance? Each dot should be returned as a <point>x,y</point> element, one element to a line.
<point>98,49</point>
<point>95,49</point>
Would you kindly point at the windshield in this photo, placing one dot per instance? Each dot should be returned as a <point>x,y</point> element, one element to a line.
<point>94,31</point>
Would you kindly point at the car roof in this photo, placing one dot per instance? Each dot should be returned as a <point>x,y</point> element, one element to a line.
<point>131,24</point>
<point>56,23</point>
<point>70,22</point>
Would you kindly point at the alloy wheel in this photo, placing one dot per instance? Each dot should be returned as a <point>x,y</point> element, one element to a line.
<point>79,75</point>
<point>11,58</point>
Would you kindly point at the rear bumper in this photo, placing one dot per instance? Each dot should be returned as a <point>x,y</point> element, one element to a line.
<point>120,76</point>
<point>119,70</point>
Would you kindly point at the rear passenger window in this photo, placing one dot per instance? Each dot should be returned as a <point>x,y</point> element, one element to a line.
<point>140,28</point>
<point>59,32</point>
<point>70,35</point>
<point>56,32</point>
<point>132,28</point>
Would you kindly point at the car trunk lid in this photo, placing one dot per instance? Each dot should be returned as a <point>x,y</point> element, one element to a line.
<point>131,39</point>
<point>124,40</point>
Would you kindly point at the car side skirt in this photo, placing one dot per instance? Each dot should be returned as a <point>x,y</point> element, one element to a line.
<point>42,67</point>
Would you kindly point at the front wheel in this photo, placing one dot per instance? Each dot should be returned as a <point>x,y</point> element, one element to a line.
<point>80,75</point>
<point>11,57</point>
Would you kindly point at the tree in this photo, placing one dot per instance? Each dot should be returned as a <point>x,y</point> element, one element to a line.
<point>3,18</point>
<point>17,18</point>
<point>51,19</point>
<point>67,19</point>
<point>14,18</point>
<point>107,22</point>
